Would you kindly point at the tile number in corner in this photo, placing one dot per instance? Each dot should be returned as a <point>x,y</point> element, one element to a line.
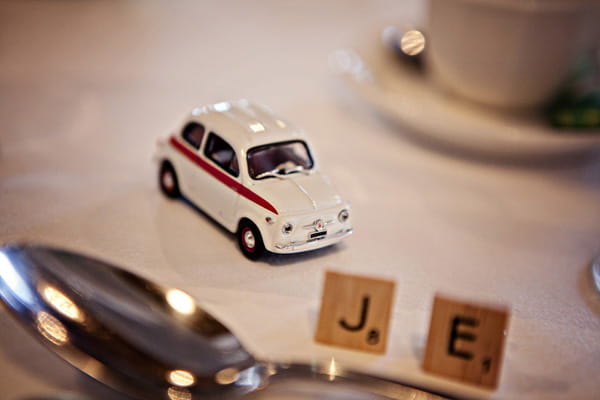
<point>466,341</point>
<point>355,312</point>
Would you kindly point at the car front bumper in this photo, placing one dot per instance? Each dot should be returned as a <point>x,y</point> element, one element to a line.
<point>311,244</point>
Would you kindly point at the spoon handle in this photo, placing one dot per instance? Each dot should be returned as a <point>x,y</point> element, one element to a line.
<point>331,378</point>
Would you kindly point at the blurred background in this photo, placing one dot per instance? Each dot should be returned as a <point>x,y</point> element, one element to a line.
<point>87,88</point>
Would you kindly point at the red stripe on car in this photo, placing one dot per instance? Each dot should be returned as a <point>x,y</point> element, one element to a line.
<point>222,176</point>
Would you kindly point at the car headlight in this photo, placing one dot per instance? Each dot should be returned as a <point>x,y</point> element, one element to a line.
<point>287,228</point>
<point>343,215</point>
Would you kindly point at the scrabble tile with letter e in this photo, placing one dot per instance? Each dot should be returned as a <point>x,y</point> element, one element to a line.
<point>355,312</point>
<point>466,341</point>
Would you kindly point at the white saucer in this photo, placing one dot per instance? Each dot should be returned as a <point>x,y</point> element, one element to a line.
<point>406,96</point>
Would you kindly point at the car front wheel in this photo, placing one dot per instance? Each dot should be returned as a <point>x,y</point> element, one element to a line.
<point>167,179</point>
<point>250,240</point>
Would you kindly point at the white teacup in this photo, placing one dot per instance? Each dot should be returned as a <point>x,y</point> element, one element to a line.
<point>508,53</point>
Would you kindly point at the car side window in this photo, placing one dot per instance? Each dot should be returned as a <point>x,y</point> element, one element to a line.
<point>193,134</point>
<point>222,153</point>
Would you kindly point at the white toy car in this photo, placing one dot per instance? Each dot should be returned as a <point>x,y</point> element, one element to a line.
<point>255,175</point>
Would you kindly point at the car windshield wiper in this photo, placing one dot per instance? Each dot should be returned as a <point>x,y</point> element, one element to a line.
<point>280,171</point>
<point>297,168</point>
<point>269,174</point>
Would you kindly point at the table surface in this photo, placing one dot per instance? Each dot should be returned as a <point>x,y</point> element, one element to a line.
<point>86,88</point>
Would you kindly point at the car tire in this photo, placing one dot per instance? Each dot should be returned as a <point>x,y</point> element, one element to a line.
<point>167,179</point>
<point>250,240</point>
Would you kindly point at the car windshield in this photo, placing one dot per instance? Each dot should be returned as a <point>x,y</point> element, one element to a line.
<point>279,159</point>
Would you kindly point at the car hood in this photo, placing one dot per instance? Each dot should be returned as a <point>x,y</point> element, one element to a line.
<point>297,193</point>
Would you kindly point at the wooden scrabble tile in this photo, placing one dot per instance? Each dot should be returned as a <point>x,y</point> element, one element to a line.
<point>466,341</point>
<point>355,312</point>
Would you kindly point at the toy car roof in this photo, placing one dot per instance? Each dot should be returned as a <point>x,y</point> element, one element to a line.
<point>245,124</point>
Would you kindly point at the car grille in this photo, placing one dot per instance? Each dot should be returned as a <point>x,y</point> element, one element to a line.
<point>317,235</point>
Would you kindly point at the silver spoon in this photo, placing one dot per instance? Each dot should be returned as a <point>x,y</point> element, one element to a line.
<point>596,271</point>
<point>145,340</point>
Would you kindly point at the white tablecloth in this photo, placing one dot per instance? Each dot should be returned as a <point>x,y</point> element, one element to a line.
<point>86,88</point>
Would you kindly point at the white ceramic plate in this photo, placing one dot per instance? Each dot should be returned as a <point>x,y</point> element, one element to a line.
<point>406,96</point>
